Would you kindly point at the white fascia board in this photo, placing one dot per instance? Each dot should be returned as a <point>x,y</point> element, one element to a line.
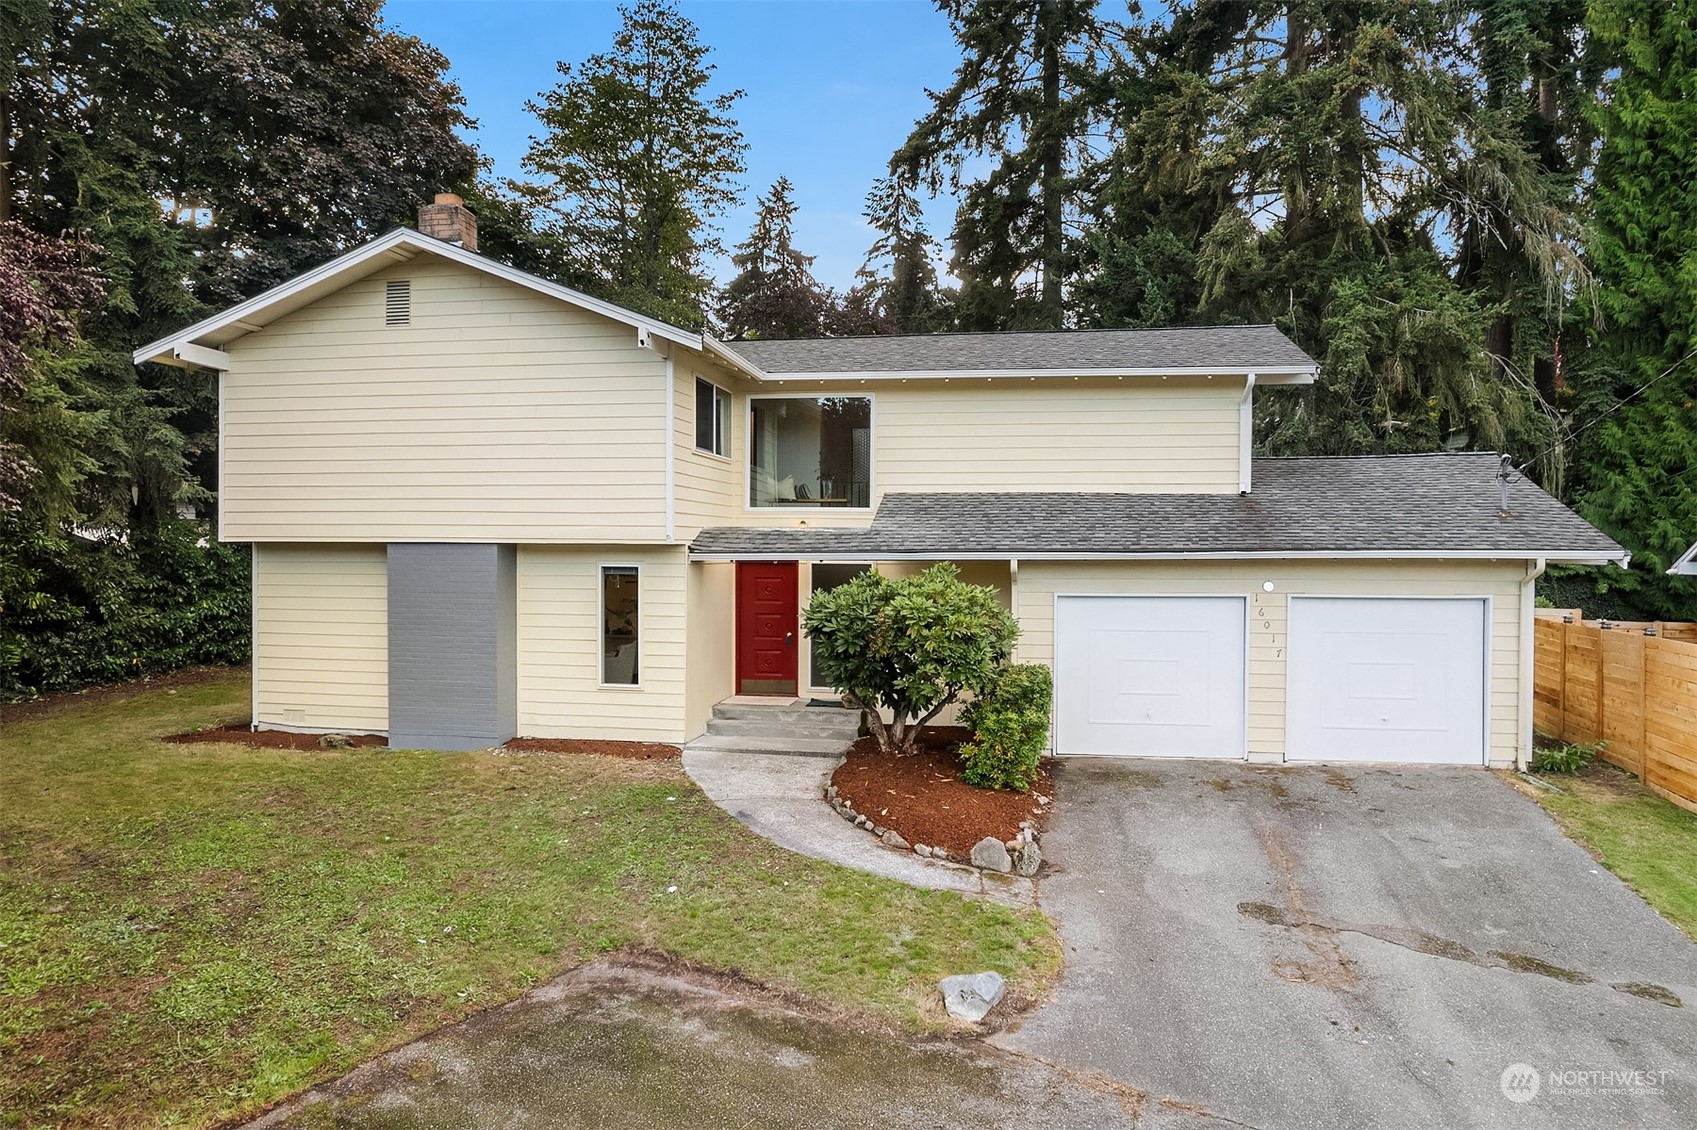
<point>1686,566</point>
<point>1274,376</point>
<point>401,244</point>
<point>719,351</point>
<point>1557,556</point>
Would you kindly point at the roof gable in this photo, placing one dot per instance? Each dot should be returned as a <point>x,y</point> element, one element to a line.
<point>198,345</point>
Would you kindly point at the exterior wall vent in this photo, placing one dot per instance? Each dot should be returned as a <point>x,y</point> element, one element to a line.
<point>397,302</point>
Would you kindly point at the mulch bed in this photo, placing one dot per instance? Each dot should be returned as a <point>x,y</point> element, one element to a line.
<point>269,739</point>
<point>639,751</point>
<point>921,797</point>
<point>282,739</point>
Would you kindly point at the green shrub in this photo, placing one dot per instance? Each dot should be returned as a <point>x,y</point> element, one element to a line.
<point>909,646</point>
<point>78,612</point>
<point>1010,728</point>
<point>1568,757</point>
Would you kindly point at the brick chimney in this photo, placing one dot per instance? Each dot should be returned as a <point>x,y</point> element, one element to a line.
<point>448,220</point>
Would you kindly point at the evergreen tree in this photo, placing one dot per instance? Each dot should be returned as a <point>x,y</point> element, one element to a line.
<point>637,161</point>
<point>1316,140</point>
<point>774,294</point>
<point>1025,96</point>
<point>896,288</point>
<point>1639,393</point>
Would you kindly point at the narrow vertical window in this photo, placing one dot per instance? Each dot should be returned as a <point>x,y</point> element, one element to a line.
<point>619,636</point>
<point>712,417</point>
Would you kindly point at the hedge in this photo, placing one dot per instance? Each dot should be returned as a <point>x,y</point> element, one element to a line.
<point>1010,728</point>
<point>79,611</point>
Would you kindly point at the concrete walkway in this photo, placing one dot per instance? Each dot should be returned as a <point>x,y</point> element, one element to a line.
<point>781,797</point>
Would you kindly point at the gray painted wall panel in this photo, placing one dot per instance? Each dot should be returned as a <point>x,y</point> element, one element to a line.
<point>452,645</point>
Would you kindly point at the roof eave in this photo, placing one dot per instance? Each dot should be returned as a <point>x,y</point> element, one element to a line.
<point>1561,557</point>
<point>1263,374</point>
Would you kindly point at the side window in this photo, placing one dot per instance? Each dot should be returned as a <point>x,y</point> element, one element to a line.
<point>712,417</point>
<point>619,635</point>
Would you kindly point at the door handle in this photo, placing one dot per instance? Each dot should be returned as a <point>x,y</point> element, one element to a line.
<point>789,638</point>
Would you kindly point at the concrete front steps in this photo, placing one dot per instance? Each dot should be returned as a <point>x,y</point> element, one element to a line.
<point>779,725</point>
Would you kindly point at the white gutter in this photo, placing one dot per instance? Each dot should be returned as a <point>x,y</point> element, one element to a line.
<point>1292,374</point>
<point>861,555</point>
<point>1528,659</point>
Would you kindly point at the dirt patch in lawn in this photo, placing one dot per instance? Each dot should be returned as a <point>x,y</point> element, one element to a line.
<point>269,739</point>
<point>638,751</point>
<point>48,706</point>
<point>921,797</point>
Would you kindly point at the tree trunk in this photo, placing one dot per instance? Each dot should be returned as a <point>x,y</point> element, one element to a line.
<point>1054,157</point>
<point>5,158</point>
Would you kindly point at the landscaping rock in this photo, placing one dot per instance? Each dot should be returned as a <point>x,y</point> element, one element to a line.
<point>893,838</point>
<point>922,851</point>
<point>991,854</point>
<point>970,996</point>
<point>1027,860</point>
<point>335,741</point>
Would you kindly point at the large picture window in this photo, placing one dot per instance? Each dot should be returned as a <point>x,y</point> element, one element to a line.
<point>619,636</point>
<point>712,418</point>
<point>810,451</point>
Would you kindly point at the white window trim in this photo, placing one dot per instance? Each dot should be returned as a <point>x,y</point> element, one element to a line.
<point>748,506</point>
<point>601,626</point>
<point>695,413</point>
<point>814,690</point>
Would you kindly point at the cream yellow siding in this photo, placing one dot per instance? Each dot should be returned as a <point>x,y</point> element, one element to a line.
<point>496,415</point>
<point>711,646</point>
<point>1041,581</point>
<point>707,488</point>
<point>560,694</point>
<point>1135,435</point>
<point>321,640</point>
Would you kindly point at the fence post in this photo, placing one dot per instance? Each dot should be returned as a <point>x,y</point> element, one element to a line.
<point>1561,687</point>
<point>1602,688</point>
<point>1644,644</point>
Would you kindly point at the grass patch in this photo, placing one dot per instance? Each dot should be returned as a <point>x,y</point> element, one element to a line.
<point>188,932</point>
<point>1649,842</point>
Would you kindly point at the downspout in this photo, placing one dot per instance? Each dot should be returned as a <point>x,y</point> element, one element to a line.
<point>671,453</point>
<point>1246,434</point>
<point>668,431</point>
<point>1528,659</point>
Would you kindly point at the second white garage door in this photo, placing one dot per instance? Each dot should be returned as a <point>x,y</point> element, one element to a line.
<point>1386,680</point>
<point>1149,676</point>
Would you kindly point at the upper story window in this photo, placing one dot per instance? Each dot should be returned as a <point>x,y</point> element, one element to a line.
<point>810,451</point>
<point>712,418</point>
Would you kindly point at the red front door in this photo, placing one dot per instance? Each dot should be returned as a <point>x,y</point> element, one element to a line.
<point>767,623</point>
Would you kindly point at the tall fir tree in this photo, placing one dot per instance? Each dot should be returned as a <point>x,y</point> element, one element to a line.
<point>1639,383</point>
<point>1025,97</point>
<point>774,293</point>
<point>636,162</point>
<point>896,289</point>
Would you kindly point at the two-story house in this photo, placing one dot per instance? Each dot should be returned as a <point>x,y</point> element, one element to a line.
<point>482,504</point>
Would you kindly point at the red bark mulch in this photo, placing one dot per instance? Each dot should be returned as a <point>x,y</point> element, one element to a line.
<point>640,751</point>
<point>269,739</point>
<point>922,798</point>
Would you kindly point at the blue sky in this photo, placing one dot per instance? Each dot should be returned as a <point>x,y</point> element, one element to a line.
<point>833,87</point>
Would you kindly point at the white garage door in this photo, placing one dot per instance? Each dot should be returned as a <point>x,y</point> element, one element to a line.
<point>1386,680</point>
<point>1149,676</point>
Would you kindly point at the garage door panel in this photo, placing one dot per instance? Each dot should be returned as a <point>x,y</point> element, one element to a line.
<point>1384,679</point>
<point>1149,676</point>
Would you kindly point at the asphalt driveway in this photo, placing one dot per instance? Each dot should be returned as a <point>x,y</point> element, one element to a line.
<point>1318,947</point>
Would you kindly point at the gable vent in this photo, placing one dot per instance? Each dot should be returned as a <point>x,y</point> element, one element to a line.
<point>397,302</point>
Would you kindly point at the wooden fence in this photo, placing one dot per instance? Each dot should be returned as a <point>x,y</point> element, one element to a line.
<point>1598,681</point>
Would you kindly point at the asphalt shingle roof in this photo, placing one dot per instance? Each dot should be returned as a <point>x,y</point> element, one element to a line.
<point>1225,348</point>
<point>1414,504</point>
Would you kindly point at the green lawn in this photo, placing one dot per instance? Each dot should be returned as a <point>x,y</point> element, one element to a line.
<point>189,932</point>
<point>1647,841</point>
